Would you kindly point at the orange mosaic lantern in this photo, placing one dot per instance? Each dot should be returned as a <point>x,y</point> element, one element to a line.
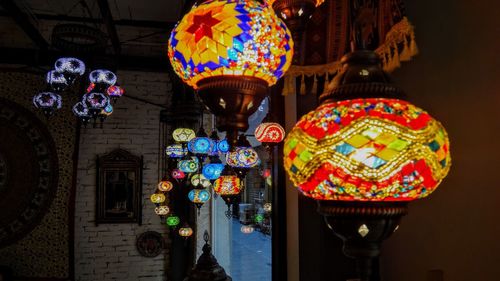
<point>231,51</point>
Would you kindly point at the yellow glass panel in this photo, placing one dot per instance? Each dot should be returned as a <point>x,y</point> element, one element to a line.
<point>357,140</point>
<point>440,154</point>
<point>298,163</point>
<point>385,139</point>
<point>234,30</point>
<point>387,154</point>
<point>222,51</point>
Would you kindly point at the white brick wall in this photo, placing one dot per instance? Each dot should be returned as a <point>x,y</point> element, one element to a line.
<point>107,251</point>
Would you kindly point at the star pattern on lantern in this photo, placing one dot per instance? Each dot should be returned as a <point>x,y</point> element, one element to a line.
<point>230,37</point>
<point>202,26</point>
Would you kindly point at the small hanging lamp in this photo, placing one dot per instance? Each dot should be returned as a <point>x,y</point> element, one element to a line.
<point>172,221</point>
<point>185,231</point>
<point>242,157</point>
<point>228,186</point>
<point>70,68</point>
<point>269,133</point>
<point>48,102</point>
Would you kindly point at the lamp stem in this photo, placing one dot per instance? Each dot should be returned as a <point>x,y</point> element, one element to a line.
<point>364,269</point>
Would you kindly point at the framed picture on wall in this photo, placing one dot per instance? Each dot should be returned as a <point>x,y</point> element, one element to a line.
<point>119,188</point>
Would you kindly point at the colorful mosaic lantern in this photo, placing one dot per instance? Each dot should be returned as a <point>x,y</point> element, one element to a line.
<point>71,68</point>
<point>363,154</point>
<point>165,185</point>
<point>162,210</point>
<point>158,198</point>
<point>269,133</point>
<point>231,51</point>
<point>199,196</point>
<point>115,92</point>
<point>228,186</point>
<point>102,78</point>
<point>367,150</point>
<point>212,171</point>
<point>172,221</point>
<point>48,102</point>
<point>188,165</point>
<point>230,38</point>
<point>223,146</point>
<point>183,135</point>
<point>247,229</point>
<point>95,102</point>
<point>175,151</point>
<point>57,81</point>
<point>243,157</point>
<point>201,145</point>
<point>185,231</point>
<point>200,180</point>
<point>178,174</point>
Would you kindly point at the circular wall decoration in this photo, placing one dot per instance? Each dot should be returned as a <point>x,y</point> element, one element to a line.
<point>150,244</point>
<point>28,171</point>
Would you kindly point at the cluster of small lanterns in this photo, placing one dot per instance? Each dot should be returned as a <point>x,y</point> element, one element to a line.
<point>198,164</point>
<point>94,104</point>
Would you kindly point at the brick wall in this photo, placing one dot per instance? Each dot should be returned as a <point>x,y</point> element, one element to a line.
<point>107,251</point>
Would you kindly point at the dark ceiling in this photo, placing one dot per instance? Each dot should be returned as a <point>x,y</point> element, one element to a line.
<point>135,32</point>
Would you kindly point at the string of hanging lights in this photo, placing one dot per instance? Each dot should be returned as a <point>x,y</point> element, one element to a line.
<point>94,104</point>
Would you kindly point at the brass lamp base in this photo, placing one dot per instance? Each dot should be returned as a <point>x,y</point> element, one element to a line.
<point>363,226</point>
<point>232,100</point>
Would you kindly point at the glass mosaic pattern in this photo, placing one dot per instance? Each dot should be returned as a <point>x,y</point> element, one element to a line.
<point>243,157</point>
<point>183,135</point>
<point>199,196</point>
<point>367,149</point>
<point>269,133</point>
<point>230,37</point>
<point>227,185</point>
<point>201,145</point>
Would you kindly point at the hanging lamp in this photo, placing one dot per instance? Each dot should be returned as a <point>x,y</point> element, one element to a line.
<point>201,146</point>
<point>242,157</point>
<point>269,133</point>
<point>231,51</point>
<point>296,14</point>
<point>228,186</point>
<point>363,154</point>
<point>172,220</point>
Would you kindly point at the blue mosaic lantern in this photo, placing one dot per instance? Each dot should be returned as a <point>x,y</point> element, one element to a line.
<point>223,146</point>
<point>213,171</point>
<point>201,145</point>
<point>199,196</point>
<point>188,165</point>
